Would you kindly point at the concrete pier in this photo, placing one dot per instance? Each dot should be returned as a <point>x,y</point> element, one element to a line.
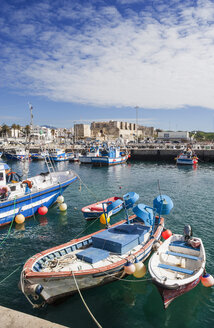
<point>169,154</point>
<point>14,319</point>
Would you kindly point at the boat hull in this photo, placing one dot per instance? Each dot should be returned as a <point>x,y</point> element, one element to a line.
<point>108,161</point>
<point>169,294</point>
<point>93,214</point>
<point>14,157</point>
<point>30,203</point>
<point>58,284</point>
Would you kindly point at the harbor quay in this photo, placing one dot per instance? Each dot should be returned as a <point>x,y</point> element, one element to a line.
<point>15,319</point>
<point>145,152</point>
<point>204,155</point>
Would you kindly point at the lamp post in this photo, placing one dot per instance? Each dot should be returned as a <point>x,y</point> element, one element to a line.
<point>137,121</point>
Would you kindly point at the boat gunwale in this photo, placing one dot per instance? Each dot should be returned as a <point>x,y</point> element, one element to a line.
<point>28,267</point>
<point>35,194</point>
<point>100,202</point>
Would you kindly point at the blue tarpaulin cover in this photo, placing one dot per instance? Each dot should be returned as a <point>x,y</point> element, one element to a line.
<point>92,255</point>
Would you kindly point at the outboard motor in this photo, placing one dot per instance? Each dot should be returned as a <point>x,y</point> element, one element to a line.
<point>187,232</point>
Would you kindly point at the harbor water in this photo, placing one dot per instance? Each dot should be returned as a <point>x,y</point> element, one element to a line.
<point>129,302</point>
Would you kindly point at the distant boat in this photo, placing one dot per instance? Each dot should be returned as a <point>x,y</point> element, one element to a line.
<point>39,156</point>
<point>59,155</point>
<point>87,157</point>
<point>16,154</point>
<point>177,266</point>
<point>187,158</point>
<point>75,157</point>
<point>94,211</point>
<point>94,259</point>
<point>110,156</point>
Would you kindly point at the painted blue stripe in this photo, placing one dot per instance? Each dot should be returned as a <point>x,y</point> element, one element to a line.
<point>40,193</point>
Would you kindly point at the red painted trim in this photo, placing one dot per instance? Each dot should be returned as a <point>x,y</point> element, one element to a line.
<point>29,273</point>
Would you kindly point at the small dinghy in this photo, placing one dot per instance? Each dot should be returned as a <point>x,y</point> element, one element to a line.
<point>94,211</point>
<point>97,258</point>
<point>178,265</point>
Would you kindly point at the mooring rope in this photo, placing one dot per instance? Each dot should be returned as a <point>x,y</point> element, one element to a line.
<point>95,320</point>
<point>10,274</point>
<point>8,233</point>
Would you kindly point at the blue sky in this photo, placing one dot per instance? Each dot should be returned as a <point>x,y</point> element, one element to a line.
<point>79,61</point>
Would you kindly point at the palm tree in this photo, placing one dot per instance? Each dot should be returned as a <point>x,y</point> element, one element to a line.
<point>4,130</point>
<point>27,130</point>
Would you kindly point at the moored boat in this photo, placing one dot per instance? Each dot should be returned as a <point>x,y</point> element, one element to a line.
<point>39,156</point>
<point>26,196</point>
<point>110,156</point>
<point>16,154</point>
<point>91,153</point>
<point>95,259</point>
<point>59,155</point>
<point>178,265</point>
<point>94,210</point>
<point>187,158</point>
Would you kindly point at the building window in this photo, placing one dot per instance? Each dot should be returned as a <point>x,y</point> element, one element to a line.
<point>166,135</point>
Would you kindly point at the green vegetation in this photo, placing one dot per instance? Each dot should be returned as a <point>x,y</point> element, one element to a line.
<point>203,136</point>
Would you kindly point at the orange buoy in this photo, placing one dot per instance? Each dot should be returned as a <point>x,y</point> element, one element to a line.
<point>166,234</point>
<point>129,268</point>
<point>207,280</point>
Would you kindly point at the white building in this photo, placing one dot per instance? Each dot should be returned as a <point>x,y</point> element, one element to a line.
<point>174,136</point>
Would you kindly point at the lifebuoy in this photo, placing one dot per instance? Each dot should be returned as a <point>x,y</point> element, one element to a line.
<point>28,182</point>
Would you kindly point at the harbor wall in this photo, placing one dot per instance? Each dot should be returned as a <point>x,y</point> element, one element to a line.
<point>204,155</point>
<point>15,319</point>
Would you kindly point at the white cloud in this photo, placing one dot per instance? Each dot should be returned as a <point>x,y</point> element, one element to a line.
<point>101,57</point>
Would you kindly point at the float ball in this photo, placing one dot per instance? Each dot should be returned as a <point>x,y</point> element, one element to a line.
<point>166,234</point>
<point>42,210</point>
<point>60,199</point>
<point>103,219</point>
<point>20,219</point>
<point>207,280</point>
<point>129,268</point>
<point>140,270</point>
<point>63,207</point>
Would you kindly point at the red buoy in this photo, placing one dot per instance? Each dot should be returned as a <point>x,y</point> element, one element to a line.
<point>166,234</point>
<point>42,210</point>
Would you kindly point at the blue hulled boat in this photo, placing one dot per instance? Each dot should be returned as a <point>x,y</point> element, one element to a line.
<point>25,197</point>
<point>59,155</point>
<point>16,154</point>
<point>110,156</point>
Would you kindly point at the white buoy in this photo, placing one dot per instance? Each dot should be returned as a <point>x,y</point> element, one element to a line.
<point>60,199</point>
<point>63,207</point>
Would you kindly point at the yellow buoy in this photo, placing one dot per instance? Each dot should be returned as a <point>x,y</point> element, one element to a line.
<point>63,207</point>
<point>103,219</point>
<point>60,199</point>
<point>20,219</point>
<point>140,270</point>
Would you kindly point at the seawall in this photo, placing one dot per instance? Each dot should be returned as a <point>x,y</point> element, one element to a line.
<point>169,155</point>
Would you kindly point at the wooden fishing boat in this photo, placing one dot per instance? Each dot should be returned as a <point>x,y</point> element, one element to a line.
<point>94,211</point>
<point>95,259</point>
<point>177,266</point>
<point>186,158</point>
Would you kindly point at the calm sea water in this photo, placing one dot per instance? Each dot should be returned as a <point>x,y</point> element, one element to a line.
<point>126,303</point>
